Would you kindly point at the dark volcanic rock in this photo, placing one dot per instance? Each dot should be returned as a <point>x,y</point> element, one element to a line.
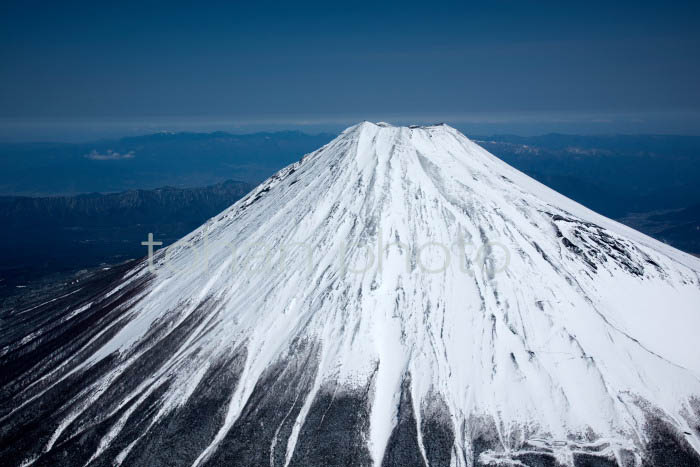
<point>335,431</point>
<point>403,450</point>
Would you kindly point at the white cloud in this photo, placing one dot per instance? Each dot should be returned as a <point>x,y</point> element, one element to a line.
<point>109,155</point>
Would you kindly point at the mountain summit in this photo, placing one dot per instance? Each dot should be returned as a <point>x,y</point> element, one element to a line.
<point>398,297</point>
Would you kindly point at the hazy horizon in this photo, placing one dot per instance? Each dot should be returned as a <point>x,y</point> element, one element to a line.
<point>30,130</point>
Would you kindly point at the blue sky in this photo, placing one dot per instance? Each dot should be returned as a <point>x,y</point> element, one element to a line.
<point>601,65</point>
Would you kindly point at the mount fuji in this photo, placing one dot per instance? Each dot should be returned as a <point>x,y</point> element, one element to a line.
<point>399,297</point>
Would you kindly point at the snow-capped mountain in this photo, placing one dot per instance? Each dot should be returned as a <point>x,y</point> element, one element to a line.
<point>398,297</point>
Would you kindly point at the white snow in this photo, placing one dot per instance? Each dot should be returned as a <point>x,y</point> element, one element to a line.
<point>543,341</point>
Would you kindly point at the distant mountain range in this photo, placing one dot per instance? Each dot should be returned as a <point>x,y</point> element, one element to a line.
<point>680,228</point>
<point>181,160</point>
<point>647,182</point>
<point>43,235</point>
<point>614,175</point>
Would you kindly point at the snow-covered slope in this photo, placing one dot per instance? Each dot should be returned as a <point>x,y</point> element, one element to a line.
<point>398,297</point>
